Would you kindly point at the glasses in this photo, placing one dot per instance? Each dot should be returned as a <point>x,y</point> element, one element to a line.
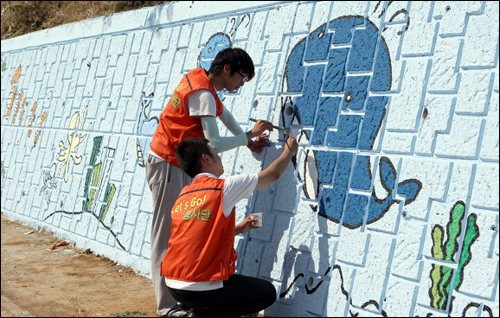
<point>244,78</point>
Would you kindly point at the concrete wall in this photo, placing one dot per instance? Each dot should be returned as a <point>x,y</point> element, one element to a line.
<point>391,206</point>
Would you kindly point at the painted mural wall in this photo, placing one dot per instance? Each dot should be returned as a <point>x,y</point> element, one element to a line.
<point>390,207</point>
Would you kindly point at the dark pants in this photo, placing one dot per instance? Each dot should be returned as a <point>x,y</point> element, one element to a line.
<point>240,295</point>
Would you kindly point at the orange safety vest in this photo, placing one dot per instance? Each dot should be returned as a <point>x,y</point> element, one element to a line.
<point>175,122</point>
<point>201,247</point>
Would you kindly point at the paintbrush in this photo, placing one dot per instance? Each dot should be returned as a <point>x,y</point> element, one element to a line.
<point>284,130</point>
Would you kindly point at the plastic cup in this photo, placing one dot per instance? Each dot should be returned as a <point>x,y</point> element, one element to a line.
<point>258,223</point>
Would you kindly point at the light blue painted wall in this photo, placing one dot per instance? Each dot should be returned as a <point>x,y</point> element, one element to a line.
<point>391,206</point>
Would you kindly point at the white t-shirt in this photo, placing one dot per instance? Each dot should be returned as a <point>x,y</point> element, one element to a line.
<point>201,103</point>
<point>236,188</point>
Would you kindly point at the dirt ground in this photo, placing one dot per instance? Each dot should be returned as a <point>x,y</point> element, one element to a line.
<point>21,17</point>
<point>66,281</point>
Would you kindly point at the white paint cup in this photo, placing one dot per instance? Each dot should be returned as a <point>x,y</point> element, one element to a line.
<point>258,223</point>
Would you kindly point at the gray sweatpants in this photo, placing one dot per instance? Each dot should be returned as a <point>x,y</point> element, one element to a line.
<point>166,182</point>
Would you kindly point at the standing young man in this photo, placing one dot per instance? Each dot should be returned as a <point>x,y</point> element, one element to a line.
<point>200,261</point>
<point>192,112</point>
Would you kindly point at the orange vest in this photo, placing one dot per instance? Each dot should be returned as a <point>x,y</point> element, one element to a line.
<point>175,123</point>
<point>201,247</point>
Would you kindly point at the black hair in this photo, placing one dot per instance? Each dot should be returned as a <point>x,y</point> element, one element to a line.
<point>189,153</point>
<point>238,59</point>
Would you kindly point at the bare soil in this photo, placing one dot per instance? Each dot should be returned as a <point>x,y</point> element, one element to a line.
<point>21,17</point>
<point>66,281</point>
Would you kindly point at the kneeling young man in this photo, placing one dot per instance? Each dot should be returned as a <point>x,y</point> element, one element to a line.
<point>201,256</point>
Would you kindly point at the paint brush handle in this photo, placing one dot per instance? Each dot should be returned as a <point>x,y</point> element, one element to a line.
<point>283,130</point>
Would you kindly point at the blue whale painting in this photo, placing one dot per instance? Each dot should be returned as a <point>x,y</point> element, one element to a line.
<point>329,75</point>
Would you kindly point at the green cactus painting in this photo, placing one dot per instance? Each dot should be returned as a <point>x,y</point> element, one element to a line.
<point>441,276</point>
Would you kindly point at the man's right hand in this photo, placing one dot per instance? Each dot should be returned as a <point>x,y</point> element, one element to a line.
<point>260,126</point>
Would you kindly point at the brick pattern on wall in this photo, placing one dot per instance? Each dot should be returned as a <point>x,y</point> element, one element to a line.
<point>390,206</point>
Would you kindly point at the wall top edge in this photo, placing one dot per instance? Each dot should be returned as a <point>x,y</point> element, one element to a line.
<point>162,15</point>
